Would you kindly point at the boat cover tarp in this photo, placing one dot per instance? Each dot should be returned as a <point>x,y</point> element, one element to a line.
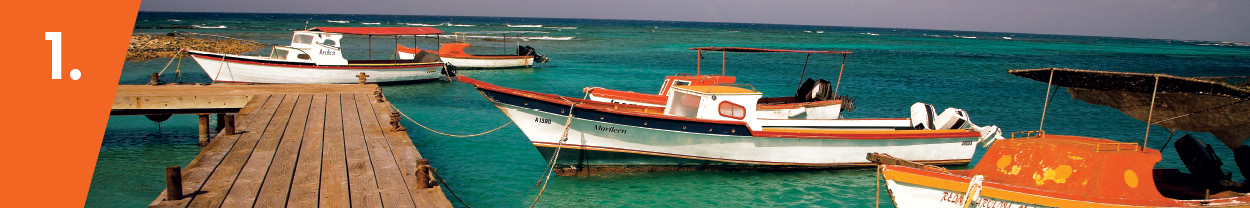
<point>1132,82</point>
<point>762,50</point>
<point>381,30</point>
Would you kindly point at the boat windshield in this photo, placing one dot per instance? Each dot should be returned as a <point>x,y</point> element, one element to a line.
<point>302,39</point>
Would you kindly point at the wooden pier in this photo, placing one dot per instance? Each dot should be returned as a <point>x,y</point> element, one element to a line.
<point>292,146</point>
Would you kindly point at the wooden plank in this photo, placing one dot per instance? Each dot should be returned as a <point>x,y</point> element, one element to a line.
<point>197,172</point>
<point>307,179</point>
<point>218,184</point>
<point>364,187</point>
<point>391,182</point>
<point>277,182</point>
<point>334,191</point>
<point>406,154</point>
<point>247,184</point>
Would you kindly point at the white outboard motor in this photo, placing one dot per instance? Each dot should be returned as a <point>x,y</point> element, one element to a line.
<point>951,118</point>
<point>922,116</point>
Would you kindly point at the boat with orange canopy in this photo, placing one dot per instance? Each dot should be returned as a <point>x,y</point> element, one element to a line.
<point>813,99</point>
<point>455,56</point>
<point>1038,169</point>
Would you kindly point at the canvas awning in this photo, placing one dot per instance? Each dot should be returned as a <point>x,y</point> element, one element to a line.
<point>1132,82</point>
<point>762,50</point>
<point>380,30</point>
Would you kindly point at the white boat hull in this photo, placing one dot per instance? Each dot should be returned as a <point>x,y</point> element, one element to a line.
<point>694,149</point>
<point>252,72</point>
<point>910,195</point>
<point>818,112</point>
<point>488,63</point>
<point>479,62</point>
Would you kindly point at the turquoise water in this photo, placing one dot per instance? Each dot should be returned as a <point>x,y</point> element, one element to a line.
<point>886,74</point>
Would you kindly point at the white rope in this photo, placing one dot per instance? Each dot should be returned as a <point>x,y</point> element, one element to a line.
<point>551,164</point>
<point>446,134</point>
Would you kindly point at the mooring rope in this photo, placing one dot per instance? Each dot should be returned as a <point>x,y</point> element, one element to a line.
<point>171,61</point>
<point>439,179</point>
<point>551,165</point>
<point>446,134</point>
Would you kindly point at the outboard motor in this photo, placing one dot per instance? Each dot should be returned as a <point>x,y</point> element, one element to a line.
<point>951,118</point>
<point>922,116</point>
<point>815,90</point>
<point>529,51</point>
<point>1200,159</point>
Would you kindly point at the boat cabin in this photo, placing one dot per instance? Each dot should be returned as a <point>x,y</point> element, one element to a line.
<point>317,47</point>
<point>716,102</point>
<point>685,79</point>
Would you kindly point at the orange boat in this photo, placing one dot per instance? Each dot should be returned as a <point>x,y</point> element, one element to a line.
<point>1042,170</point>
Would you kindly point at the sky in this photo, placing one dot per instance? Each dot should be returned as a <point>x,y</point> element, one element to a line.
<point>1210,20</point>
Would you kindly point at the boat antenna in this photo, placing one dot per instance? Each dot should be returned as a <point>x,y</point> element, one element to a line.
<point>843,67</point>
<point>1049,82</point>
<point>802,74</point>
<point>1150,115</point>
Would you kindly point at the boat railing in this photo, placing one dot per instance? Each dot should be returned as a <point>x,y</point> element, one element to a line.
<point>1027,134</point>
<point>683,74</point>
<point>1116,147</point>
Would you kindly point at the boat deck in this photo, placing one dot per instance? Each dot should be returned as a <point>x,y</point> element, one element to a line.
<point>318,146</point>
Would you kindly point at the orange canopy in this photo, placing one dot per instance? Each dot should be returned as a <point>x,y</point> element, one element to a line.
<point>381,30</point>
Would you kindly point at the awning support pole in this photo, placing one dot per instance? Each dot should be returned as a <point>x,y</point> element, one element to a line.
<point>1151,113</point>
<point>804,73</point>
<point>722,63</point>
<point>370,47</point>
<point>840,69</point>
<point>1047,105</point>
<point>698,62</point>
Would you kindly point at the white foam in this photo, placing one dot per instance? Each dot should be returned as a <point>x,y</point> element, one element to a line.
<point>338,21</point>
<point>456,25</point>
<point>175,20</point>
<point>548,38</point>
<point>209,27</point>
<point>561,28</point>
<point>419,24</point>
<point>371,23</point>
<point>525,25</point>
<point>1005,37</point>
<point>873,34</point>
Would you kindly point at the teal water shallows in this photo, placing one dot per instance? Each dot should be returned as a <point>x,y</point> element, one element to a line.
<point>886,74</point>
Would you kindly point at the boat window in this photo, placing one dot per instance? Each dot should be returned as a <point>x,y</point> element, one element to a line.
<point>279,54</point>
<point>681,83</point>
<point>686,105</point>
<point>731,110</point>
<point>329,43</point>
<point>303,56</point>
<point>304,39</point>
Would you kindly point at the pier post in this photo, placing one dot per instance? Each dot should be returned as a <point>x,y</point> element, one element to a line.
<point>362,77</point>
<point>173,183</point>
<point>229,129</point>
<point>423,174</point>
<point>395,125</point>
<point>377,94</point>
<point>203,129</point>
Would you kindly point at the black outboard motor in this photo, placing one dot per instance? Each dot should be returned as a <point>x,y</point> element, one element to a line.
<point>814,90</point>
<point>1200,159</point>
<point>529,51</point>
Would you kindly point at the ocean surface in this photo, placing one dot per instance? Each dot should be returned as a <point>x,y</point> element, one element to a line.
<point>889,70</point>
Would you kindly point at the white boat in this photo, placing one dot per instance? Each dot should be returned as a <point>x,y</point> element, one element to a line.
<point>314,57</point>
<point>815,99</point>
<point>455,56</point>
<point>716,128</point>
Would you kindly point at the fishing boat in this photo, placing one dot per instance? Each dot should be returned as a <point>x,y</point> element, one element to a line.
<point>455,56</point>
<point>1045,170</point>
<point>315,57</point>
<point>813,99</point>
<point>716,127</point>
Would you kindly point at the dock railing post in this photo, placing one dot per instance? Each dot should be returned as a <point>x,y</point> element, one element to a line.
<point>362,77</point>
<point>423,174</point>
<point>173,183</point>
<point>229,129</point>
<point>395,125</point>
<point>203,129</point>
